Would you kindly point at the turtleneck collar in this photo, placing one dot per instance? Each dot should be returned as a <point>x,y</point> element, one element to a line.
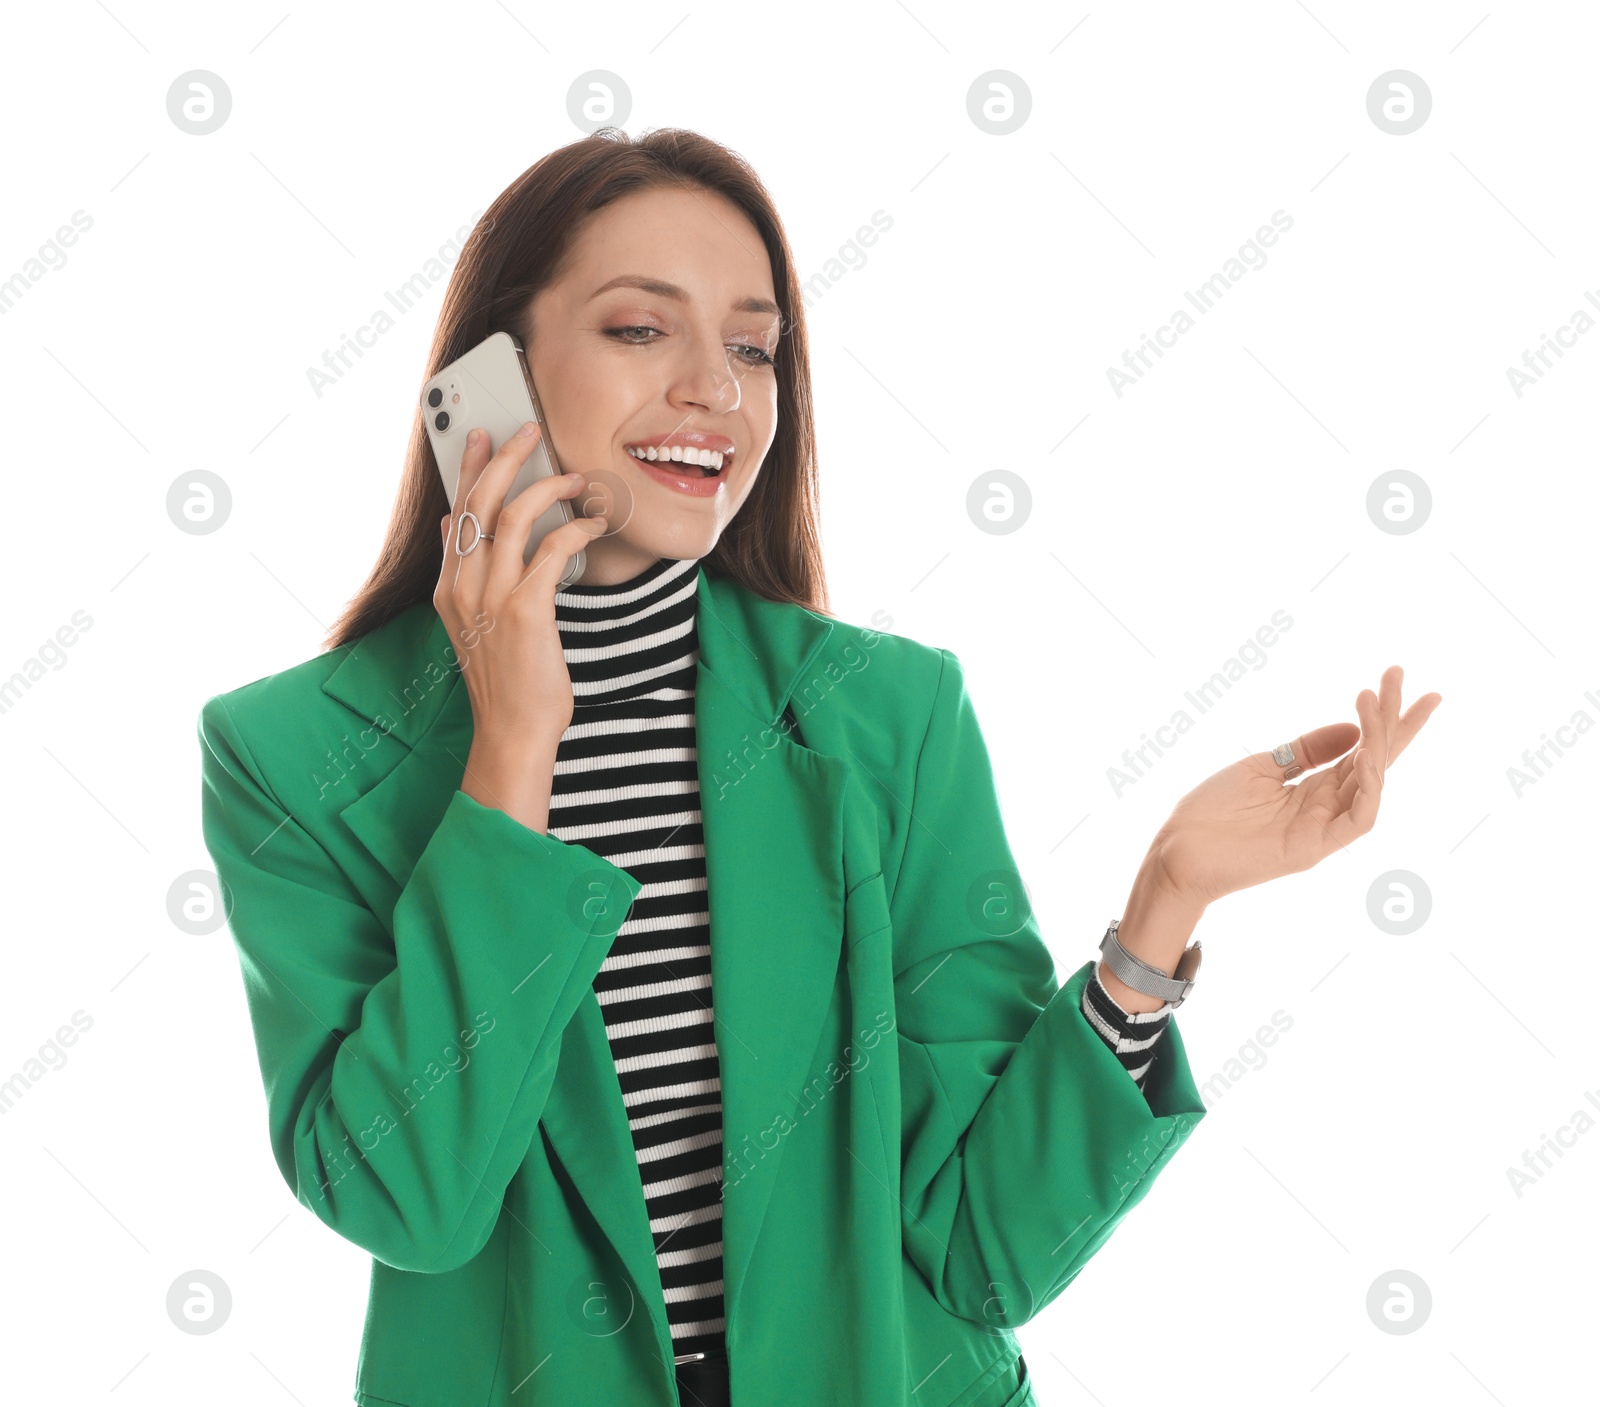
<point>635,639</point>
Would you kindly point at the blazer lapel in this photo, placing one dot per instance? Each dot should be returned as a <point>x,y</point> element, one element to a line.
<point>403,682</point>
<point>772,811</point>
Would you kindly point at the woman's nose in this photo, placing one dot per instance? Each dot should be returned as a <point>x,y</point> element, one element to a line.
<point>715,378</point>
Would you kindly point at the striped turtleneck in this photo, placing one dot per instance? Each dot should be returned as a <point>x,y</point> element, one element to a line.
<point>1134,1036</point>
<point>626,786</point>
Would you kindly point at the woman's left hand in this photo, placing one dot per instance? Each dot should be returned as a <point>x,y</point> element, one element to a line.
<point>1246,825</point>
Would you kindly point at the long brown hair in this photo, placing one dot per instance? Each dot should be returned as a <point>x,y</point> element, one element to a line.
<point>773,545</point>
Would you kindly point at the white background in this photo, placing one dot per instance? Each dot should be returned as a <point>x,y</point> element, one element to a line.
<point>1167,526</point>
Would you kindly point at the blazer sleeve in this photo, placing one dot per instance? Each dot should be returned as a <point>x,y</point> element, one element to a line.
<point>405,1073</point>
<point>1023,1141</point>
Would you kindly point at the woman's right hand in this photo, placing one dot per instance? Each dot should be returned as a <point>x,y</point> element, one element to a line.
<point>501,614</point>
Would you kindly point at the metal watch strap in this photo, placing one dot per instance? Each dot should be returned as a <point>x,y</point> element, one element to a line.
<point>1142,977</point>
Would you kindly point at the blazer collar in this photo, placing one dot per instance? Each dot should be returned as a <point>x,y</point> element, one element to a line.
<point>777,817</point>
<point>758,649</point>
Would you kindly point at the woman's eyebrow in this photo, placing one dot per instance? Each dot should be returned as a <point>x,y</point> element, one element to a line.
<point>663,289</point>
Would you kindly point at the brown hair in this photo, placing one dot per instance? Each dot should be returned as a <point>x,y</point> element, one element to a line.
<point>773,545</point>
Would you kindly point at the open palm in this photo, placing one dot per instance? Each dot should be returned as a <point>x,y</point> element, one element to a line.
<point>1246,825</point>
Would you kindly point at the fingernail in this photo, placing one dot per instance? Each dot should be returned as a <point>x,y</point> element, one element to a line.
<point>527,429</point>
<point>472,438</point>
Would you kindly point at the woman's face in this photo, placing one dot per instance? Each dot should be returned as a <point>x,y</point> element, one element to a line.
<point>625,365</point>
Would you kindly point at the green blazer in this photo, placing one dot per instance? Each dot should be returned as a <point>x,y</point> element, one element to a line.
<point>925,1140</point>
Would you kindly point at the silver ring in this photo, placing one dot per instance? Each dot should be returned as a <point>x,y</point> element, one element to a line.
<point>477,528</point>
<point>1283,755</point>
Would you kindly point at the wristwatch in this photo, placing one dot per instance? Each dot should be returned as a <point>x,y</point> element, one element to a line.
<point>1152,981</point>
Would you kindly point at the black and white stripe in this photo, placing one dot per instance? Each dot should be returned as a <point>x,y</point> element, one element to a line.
<point>626,786</point>
<point>1135,1036</point>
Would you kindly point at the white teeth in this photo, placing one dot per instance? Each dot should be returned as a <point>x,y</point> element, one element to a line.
<point>706,458</point>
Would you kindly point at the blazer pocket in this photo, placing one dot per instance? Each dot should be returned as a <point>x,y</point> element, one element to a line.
<point>1023,1397</point>
<point>1013,1388</point>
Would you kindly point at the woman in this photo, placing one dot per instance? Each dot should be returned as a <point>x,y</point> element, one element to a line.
<point>639,970</point>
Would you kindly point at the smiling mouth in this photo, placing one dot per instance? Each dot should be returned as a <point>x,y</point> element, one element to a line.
<point>710,463</point>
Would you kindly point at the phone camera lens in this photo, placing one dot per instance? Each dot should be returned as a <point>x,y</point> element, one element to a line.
<point>435,396</point>
<point>442,420</point>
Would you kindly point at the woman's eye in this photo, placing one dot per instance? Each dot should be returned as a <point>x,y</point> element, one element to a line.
<point>757,358</point>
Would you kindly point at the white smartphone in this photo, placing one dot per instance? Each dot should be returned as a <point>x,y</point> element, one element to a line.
<point>490,388</point>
